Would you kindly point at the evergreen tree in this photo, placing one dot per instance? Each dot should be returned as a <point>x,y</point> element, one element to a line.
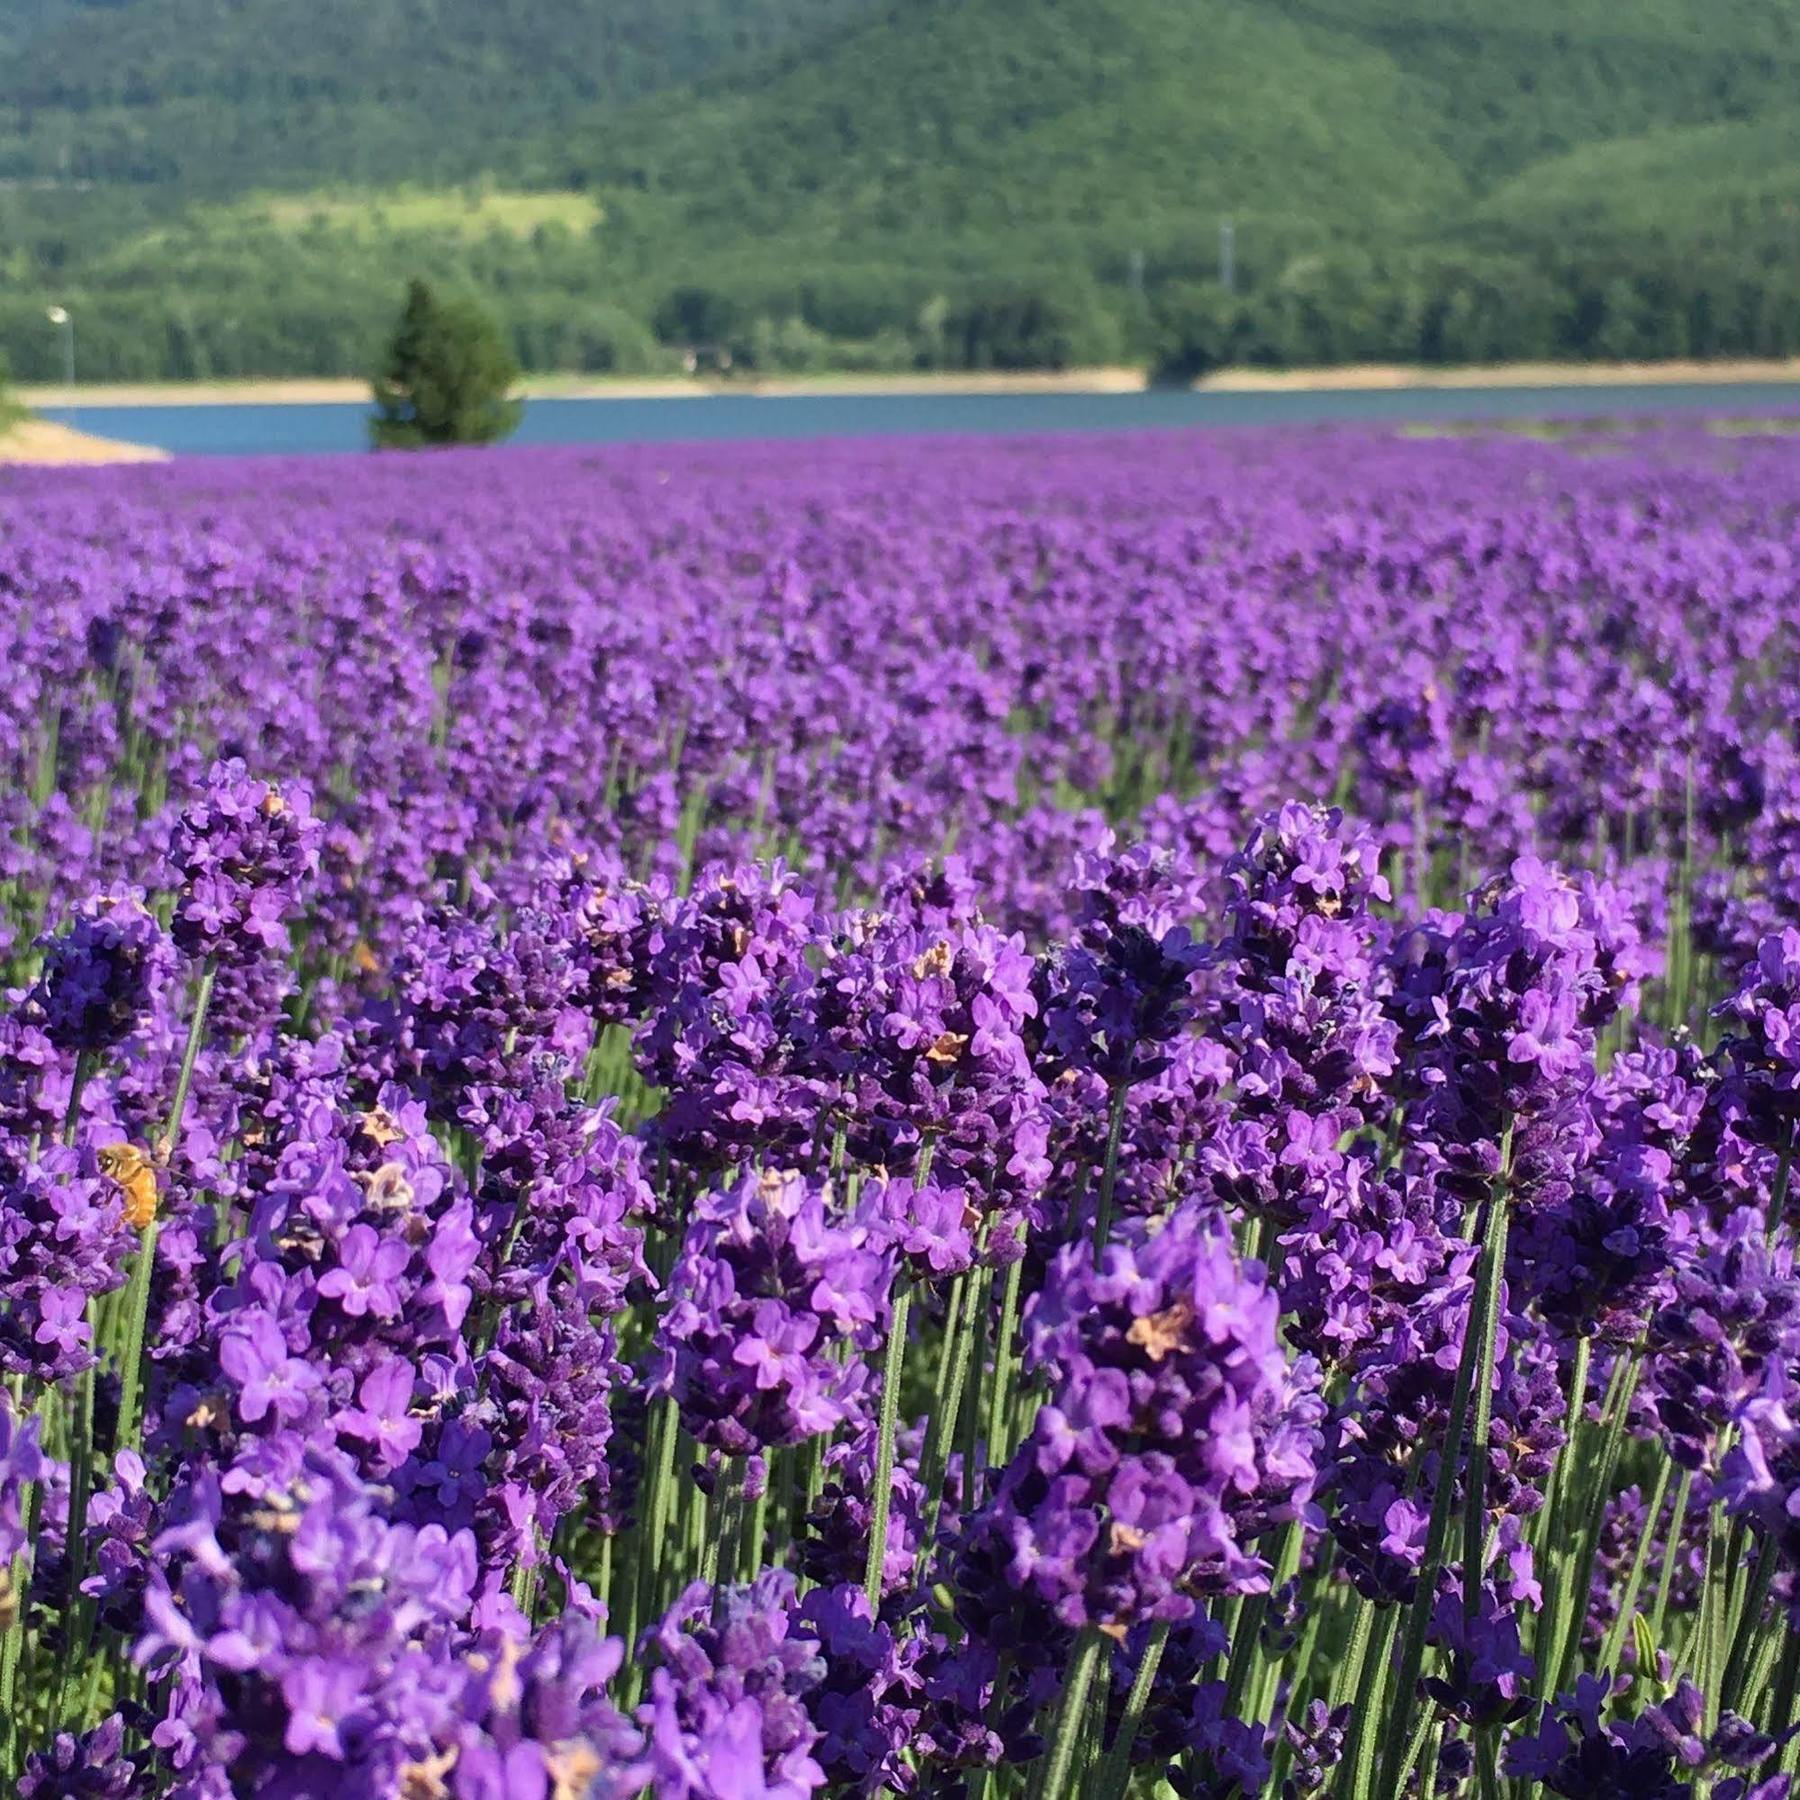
<point>448,377</point>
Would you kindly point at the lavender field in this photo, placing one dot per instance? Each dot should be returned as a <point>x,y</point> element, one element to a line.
<point>1038,1119</point>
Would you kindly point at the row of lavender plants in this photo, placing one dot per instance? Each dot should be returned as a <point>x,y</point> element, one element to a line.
<point>1031,1120</point>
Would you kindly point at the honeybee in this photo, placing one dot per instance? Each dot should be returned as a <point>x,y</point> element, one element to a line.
<point>127,1165</point>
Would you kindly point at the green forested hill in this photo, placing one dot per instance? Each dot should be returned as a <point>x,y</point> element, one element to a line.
<point>216,96</point>
<point>220,186</point>
<point>1524,79</point>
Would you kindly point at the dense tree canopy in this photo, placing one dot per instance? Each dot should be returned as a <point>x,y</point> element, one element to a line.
<point>225,188</point>
<point>447,379</point>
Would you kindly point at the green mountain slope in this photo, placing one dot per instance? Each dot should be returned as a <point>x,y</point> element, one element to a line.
<point>1719,189</point>
<point>215,96</point>
<point>243,185</point>
<point>1526,79</point>
<point>944,118</point>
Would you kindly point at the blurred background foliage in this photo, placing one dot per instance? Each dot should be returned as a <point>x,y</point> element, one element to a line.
<point>228,187</point>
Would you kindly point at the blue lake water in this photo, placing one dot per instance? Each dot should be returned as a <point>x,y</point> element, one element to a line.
<point>260,430</point>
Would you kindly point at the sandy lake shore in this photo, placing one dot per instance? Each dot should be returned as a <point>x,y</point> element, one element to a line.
<point>1394,376</point>
<point>1110,380</point>
<point>46,441</point>
<point>346,390</point>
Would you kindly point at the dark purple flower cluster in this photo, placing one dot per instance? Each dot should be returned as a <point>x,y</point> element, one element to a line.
<point>778,1289</point>
<point>1731,1321</point>
<point>1176,1433</point>
<point>1385,1439</point>
<point>343,1327</point>
<point>1761,1475</point>
<point>730,1679</point>
<point>241,853</point>
<point>1114,1000</point>
<point>1585,1752</point>
<point>64,1239</point>
<point>1499,1009</point>
<point>730,989</point>
<point>920,1038</point>
<point>1764,1047</point>
<point>104,976</point>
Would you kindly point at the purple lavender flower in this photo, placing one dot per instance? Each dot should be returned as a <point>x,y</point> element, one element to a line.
<point>1177,1431</point>
<point>1731,1322</point>
<point>772,1279</point>
<point>103,976</point>
<point>64,1239</point>
<point>89,1765</point>
<point>731,1675</point>
<point>1581,1752</point>
<point>241,851</point>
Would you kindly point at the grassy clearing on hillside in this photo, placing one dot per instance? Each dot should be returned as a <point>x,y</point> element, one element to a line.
<point>439,212</point>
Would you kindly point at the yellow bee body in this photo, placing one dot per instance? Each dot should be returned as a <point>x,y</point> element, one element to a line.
<point>135,1175</point>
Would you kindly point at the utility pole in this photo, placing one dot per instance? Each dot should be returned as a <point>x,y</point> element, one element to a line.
<point>1135,274</point>
<point>1228,256</point>
<point>59,316</point>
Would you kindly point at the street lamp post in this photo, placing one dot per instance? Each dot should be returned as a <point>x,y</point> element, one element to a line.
<point>59,316</point>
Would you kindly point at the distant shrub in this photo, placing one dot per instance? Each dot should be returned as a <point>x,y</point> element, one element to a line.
<point>1017,327</point>
<point>448,377</point>
<point>1195,328</point>
<point>698,317</point>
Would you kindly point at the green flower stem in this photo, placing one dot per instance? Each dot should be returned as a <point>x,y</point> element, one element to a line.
<point>1000,1394</point>
<point>1347,1677</point>
<point>1703,1652</point>
<point>1109,1174</point>
<point>1323,1601</point>
<point>1428,1723</point>
<point>724,1529</point>
<point>1737,1589</point>
<point>756,1525</point>
<point>1784,1169</point>
<point>1781,1704</point>
<point>18,1580</point>
<point>84,1071</point>
<point>1070,1713</point>
<point>983,1778</point>
<point>1769,1642</point>
<point>654,1524</point>
<point>20,1650</point>
<point>523,1583</point>
<point>1115,1773</point>
<point>1485,1322</point>
<point>1749,1621</point>
<point>952,1375</point>
<point>1244,1672</point>
<point>1659,1611</point>
<point>1615,1636</point>
<point>1412,1650</point>
<point>1487,1770</point>
<point>78,1622</point>
<point>882,1495</point>
<point>1550,1520</point>
<point>1562,1649</point>
<point>190,1055</point>
<point>1359,1752</point>
<point>1553,1557</point>
<point>981,1294</point>
<point>603,1575</point>
<point>137,1306</point>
